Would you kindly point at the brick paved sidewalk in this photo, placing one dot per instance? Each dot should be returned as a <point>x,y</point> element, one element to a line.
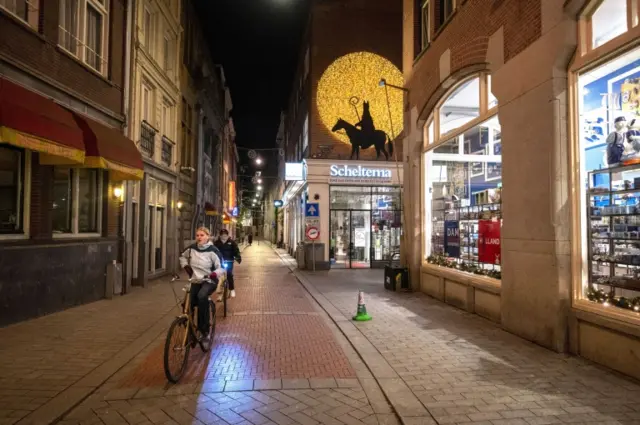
<point>276,359</point>
<point>438,364</point>
<point>49,363</point>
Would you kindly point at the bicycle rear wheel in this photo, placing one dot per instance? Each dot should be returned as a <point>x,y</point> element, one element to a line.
<point>176,349</point>
<point>206,346</point>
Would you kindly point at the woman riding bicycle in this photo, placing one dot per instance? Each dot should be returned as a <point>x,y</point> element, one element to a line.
<point>202,260</point>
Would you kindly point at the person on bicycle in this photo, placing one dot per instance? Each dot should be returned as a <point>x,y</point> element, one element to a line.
<point>202,260</point>
<point>230,253</point>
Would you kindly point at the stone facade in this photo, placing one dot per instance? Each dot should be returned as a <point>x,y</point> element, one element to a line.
<point>529,67</point>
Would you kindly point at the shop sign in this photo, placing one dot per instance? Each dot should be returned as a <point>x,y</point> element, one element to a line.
<point>294,171</point>
<point>452,238</point>
<point>232,195</point>
<point>358,174</point>
<point>489,241</point>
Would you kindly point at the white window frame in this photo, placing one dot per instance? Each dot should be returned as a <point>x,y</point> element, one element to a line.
<point>80,32</point>
<point>75,207</point>
<point>425,37</point>
<point>33,7</point>
<point>148,28</point>
<point>26,201</point>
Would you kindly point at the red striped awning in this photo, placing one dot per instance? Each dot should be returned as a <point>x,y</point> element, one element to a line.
<point>109,149</point>
<point>31,121</point>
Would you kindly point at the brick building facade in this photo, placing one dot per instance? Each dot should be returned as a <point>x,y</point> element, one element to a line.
<point>347,48</point>
<point>64,156</point>
<point>479,72</point>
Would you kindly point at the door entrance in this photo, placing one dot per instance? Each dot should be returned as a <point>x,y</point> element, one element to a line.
<point>350,239</point>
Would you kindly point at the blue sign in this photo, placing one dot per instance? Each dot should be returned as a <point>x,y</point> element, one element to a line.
<point>234,212</point>
<point>278,203</point>
<point>312,210</point>
<point>452,238</point>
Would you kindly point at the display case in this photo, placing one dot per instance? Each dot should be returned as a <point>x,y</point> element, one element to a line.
<point>613,233</point>
<point>449,213</point>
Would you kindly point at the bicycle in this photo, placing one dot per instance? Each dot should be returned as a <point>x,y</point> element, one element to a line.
<point>225,288</point>
<point>183,334</point>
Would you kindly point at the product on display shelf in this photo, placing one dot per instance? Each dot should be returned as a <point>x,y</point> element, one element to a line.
<point>630,95</point>
<point>615,142</point>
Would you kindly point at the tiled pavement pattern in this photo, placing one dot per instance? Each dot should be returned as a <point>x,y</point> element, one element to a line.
<point>61,355</point>
<point>341,406</point>
<point>276,361</point>
<point>448,366</point>
<point>274,331</point>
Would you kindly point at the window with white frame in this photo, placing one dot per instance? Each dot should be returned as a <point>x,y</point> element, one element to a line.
<point>83,31</point>
<point>166,53</point>
<point>26,10</point>
<point>463,182</point>
<point>425,25</point>
<point>14,190</point>
<point>446,10</point>
<point>608,21</point>
<point>77,200</point>
<point>148,28</point>
<point>147,103</point>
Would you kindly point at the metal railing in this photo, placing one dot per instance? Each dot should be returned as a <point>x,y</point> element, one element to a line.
<point>147,138</point>
<point>167,151</point>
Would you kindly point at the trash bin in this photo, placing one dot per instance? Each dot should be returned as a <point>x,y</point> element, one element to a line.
<point>396,278</point>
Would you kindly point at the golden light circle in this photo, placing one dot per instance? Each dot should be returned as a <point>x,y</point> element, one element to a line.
<point>355,78</point>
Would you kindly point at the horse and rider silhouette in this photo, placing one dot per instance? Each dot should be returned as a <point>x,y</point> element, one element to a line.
<point>365,136</point>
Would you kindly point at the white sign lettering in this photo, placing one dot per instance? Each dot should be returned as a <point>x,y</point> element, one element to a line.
<point>359,171</point>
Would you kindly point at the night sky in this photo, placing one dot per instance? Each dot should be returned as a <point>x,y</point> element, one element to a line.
<point>258,43</point>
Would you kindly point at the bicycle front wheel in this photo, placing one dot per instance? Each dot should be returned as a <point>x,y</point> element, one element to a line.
<point>206,346</point>
<point>176,349</point>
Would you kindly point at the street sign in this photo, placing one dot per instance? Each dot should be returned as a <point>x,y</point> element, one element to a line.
<point>312,210</point>
<point>313,233</point>
<point>277,203</point>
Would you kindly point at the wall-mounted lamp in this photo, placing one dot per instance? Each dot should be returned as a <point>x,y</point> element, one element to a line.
<point>179,205</point>
<point>118,192</point>
<point>383,83</point>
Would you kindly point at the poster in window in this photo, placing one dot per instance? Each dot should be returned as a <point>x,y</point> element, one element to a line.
<point>493,171</point>
<point>452,238</point>
<point>477,168</point>
<point>489,241</point>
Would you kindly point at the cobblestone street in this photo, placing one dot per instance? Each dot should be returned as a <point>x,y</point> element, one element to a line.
<point>444,365</point>
<point>289,354</point>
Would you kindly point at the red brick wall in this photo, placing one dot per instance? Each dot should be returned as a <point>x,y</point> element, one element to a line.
<point>39,52</point>
<point>467,35</point>
<point>340,27</point>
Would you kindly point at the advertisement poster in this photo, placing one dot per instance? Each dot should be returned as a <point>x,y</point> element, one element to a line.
<point>452,238</point>
<point>489,241</point>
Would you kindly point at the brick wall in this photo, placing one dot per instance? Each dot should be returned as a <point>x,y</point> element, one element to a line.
<point>340,27</point>
<point>467,35</point>
<point>39,52</point>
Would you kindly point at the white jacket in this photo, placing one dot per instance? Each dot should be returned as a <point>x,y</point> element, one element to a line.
<point>203,260</point>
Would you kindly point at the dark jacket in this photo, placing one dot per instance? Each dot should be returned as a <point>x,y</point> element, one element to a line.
<point>228,249</point>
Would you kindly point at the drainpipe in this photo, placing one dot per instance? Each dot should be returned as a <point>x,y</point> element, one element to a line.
<point>127,246</point>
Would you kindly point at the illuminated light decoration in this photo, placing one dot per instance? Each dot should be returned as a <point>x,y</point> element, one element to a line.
<point>358,74</point>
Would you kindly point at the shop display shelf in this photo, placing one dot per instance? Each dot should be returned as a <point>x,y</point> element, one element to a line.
<point>613,232</point>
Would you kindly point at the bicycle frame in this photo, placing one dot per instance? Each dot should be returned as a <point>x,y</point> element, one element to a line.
<point>187,312</point>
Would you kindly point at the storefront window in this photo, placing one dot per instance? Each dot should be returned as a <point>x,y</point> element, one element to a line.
<point>365,225</point>
<point>76,200</point>
<point>11,190</point>
<point>462,106</point>
<point>156,223</point>
<point>463,185</point>
<point>608,21</point>
<point>609,134</point>
<point>61,214</point>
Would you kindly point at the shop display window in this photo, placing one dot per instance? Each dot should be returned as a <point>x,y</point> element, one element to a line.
<point>77,200</point>
<point>609,137</point>
<point>463,182</point>
<point>12,182</point>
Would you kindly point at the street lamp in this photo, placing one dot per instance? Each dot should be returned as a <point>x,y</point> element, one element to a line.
<point>259,181</point>
<point>259,188</point>
<point>258,161</point>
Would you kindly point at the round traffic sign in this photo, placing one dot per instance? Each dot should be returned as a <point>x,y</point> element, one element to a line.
<point>313,233</point>
<point>252,154</point>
